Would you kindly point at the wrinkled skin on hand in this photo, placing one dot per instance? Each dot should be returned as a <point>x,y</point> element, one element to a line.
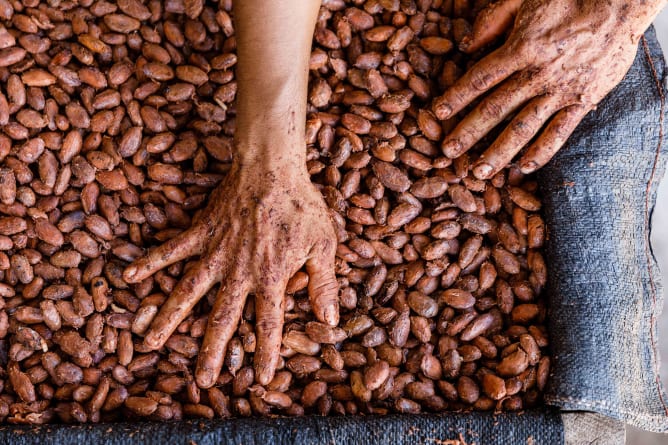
<point>561,58</point>
<point>259,228</point>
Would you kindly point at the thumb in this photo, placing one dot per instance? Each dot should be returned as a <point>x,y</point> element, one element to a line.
<point>323,289</point>
<point>491,23</point>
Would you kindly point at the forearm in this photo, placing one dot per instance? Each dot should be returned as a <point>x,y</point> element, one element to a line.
<point>273,46</point>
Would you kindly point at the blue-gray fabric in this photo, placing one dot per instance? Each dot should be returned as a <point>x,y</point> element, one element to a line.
<point>604,287</point>
<point>604,291</point>
<point>540,427</point>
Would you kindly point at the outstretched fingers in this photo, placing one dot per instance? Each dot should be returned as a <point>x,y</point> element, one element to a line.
<point>185,244</point>
<point>323,288</point>
<point>490,24</point>
<point>483,76</point>
<point>194,284</point>
<point>488,114</point>
<point>517,134</point>
<point>223,322</point>
<point>553,138</point>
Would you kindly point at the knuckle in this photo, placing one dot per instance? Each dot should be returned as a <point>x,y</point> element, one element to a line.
<point>456,96</point>
<point>519,48</point>
<point>187,284</point>
<point>268,323</point>
<point>490,108</point>
<point>219,318</point>
<point>481,80</point>
<point>562,129</point>
<point>325,287</point>
<point>523,129</point>
<point>468,133</point>
<point>328,243</point>
<point>578,111</point>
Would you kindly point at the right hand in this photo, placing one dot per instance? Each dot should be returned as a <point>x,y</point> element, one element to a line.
<point>260,227</point>
<point>561,58</point>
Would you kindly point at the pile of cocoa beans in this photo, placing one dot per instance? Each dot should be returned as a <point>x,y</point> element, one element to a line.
<point>116,122</point>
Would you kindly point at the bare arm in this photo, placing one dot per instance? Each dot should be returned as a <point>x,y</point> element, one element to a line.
<point>266,220</point>
<point>273,47</point>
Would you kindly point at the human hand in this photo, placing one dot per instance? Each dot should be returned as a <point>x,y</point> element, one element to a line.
<point>561,58</point>
<point>260,227</point>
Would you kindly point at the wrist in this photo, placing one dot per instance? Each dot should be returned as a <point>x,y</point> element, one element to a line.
<point>270,135</point>
<point>639,15</point>
<point>270,153</point>
<point>270,179</point>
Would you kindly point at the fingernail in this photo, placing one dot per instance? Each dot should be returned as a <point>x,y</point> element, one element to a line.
<point>528,167</point>
<point>452,148</point>
<point>331,315</point>
<point>204,379</point>
<point>262,373</point>
<point>483,171</point>
<point>443,111</point>
<point>150,341</point>
<point>130,272</point>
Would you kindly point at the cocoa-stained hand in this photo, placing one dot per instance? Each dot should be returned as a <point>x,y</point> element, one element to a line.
<point>562,57</point>
<point>259,228</point>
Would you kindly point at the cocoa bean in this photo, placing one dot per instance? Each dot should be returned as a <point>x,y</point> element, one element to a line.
<point>118,122</point>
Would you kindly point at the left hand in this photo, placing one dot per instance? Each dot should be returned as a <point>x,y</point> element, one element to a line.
<point>260,227</point>
<point>561,59</point>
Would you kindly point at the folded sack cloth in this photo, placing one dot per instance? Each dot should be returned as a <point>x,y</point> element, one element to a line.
<point>604,286</point>
<point>604,293</point>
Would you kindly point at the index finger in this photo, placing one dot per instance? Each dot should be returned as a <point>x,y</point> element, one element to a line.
<point>484,75</point>
<point>182,246</point>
